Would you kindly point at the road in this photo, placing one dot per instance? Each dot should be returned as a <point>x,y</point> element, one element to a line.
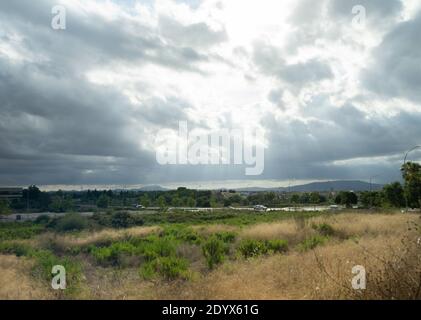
<point>34,216</point>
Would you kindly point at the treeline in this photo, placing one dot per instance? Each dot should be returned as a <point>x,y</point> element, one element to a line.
<point>394,195</point>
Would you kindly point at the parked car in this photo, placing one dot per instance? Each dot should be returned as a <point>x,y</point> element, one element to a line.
<point>260,207</point>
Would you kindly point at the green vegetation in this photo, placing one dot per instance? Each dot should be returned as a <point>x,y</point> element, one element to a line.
<point>393,195</point>
<point>5,206</point>
<point>312,242</point>
<point>252,248</point>
<point>170,268</point>
<point>324,229</point>
<point>346,198</point>
<point>214,251</point>
<point>44,262</point>
<point>70,223</point>
<point>16,231</point>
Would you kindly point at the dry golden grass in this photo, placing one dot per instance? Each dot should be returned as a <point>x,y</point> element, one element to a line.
<point>88,238</point>
<point>322,273</point>
<point>354,224</point>
<point>286,230</point>
<point>16,282</point>
<point>293,276</point>
<point>345,224</point>
<point>214,228</point>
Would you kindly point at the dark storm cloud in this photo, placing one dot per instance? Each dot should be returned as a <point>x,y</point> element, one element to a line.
<point>57,127</point>
<point>309,148</point>
<point>270,61</point>
<point>396,68</point>
<point>91,39</point>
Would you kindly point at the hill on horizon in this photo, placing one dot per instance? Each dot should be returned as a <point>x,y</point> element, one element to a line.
<point>338,185</point>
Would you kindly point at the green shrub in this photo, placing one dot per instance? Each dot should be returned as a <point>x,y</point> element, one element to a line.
<point>214,251</point>
<point>277,245</point>
<point>70,222</point>
<point>113,254</point>
<point>17,249</point>
<point>170,268</point>
<point>324,229</point>
<point>15,231</point>
<point>123,219</point>
<point>150,248</point>
<point>43,220</point>
<point>312,242</point>
<point>182,233</point>
<point>227,237</point>
<point>251,248</point>
<point>147,270</point>
<point>44,262</point>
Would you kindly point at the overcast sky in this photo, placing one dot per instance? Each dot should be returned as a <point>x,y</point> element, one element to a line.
<point>83,105</point>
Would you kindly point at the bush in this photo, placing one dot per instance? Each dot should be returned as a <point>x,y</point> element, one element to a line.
<point>313,242</point>
<point>251,248</point>
<point>170,268</point>
<point>182,233</point>
<point>121,220</point>
<point>214,251</point>
<point>227,237</point>
<point>150,249</point>
<point>324,229</point>
<point>70,222</point>
<point>147,270</point>
<point>15,231</point>
<point>277,245</point>
<point>113,254</point>
<point>43,219</point>
<point>44,262</point>
<point>156,247</point>
<point>17,249</point>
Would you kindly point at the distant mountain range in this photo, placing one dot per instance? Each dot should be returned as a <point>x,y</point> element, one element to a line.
<point>338,185</point>
<point>152,188</point>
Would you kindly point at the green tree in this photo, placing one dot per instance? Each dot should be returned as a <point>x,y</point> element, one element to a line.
<point>305,198</point>
<point>161,202</point>
<point>4,206</point>
<point>411,173</point>
<point>103,201</point>
<point>145,201</point>
<point>315,198</point>
<point>269,198</point>
<point>295,198</point>
<point>393,195</point>
<point>371,199</point>
<point>190,202</point>
<point>176,201</point>
<point>346,198</point>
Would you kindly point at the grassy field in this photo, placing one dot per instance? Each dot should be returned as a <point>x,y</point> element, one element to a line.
<point>225,255</point>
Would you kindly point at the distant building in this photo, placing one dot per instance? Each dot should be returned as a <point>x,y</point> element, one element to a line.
<point>10,193</point>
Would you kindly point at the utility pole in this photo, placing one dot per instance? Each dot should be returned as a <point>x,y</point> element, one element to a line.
<point>404,167</point>
<point>27,200</point>
<point>371,196</point>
